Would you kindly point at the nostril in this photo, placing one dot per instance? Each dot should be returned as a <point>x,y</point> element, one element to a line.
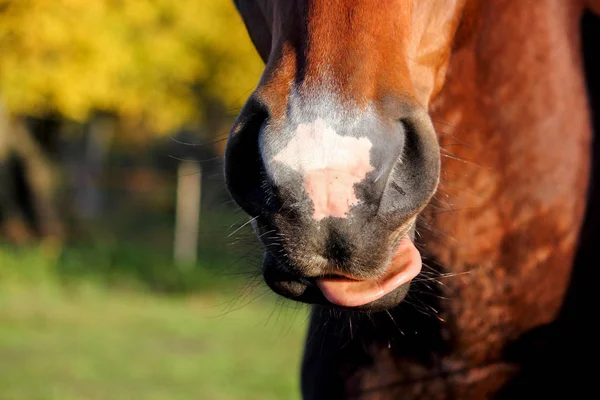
<point>415,176</point>
<point>244,169</point>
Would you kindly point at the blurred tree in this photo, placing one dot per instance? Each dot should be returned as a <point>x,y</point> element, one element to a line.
<point>148,61</point>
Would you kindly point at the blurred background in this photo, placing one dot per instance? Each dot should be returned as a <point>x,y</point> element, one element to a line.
<point>125,269</point>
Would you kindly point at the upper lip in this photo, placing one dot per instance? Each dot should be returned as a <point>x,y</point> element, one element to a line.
<point>340,275</point>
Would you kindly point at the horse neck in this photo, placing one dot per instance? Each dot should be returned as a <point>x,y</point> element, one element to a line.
<point>515,136</point>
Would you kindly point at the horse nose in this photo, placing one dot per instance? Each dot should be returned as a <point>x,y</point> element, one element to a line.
<point>309,165</point>
<point>328,165</point>
<point>317,165</point>
<point>359,166</point>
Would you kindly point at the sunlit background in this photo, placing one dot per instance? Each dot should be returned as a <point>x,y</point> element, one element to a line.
<point>126,272</point>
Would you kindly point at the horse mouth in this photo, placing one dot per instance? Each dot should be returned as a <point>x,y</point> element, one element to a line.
<point>345,291</point>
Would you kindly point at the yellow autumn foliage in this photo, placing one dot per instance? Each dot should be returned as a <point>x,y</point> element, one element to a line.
<point>146,60</point>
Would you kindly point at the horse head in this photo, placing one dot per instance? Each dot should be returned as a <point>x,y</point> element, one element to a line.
<point>334,155</point>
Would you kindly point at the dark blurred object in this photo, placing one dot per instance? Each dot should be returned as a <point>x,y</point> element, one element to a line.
<point>28,179</point>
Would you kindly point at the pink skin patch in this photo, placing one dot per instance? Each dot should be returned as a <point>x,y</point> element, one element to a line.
<point>331,165</point>
<point>348,292</point>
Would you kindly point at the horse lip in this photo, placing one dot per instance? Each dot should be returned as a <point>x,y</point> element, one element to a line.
<point>404,266</point>
<point>306,290</point>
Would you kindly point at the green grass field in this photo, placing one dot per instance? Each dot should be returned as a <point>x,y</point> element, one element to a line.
<point>82,340</point>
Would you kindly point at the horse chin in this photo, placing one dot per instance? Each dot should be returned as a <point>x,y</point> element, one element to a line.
<point>306,290</point>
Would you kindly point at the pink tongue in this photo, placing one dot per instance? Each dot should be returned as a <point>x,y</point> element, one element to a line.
<point>406,264</point>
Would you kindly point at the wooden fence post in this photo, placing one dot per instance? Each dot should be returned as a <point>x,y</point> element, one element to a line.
<point>187,219</point>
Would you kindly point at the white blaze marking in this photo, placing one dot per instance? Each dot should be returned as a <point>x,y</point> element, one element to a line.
<point>331,165</point>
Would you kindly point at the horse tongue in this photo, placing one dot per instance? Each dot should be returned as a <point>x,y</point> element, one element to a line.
<point>405,265</point>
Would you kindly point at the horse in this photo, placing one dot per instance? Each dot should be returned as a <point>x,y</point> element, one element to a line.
<point>419,172</point>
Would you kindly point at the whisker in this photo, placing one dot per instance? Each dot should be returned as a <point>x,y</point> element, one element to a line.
<point>200,143</point>
<point>238,229</point>
<point>394,322</point>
